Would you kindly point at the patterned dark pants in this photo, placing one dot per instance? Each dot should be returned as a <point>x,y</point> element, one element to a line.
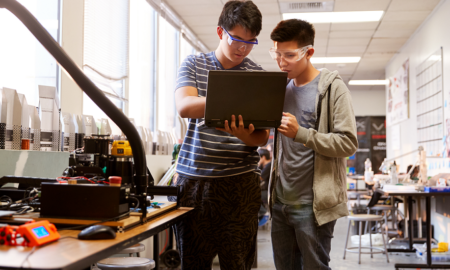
<point>224,222</point>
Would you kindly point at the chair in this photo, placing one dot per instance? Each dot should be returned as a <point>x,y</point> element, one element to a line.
<point>367,218</point>
<point>136,249</point>
<point>384,208</point>
<point>131,262</point>
<point>126,263</point>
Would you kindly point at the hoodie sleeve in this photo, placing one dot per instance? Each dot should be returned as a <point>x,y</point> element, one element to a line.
<point>342,140</point>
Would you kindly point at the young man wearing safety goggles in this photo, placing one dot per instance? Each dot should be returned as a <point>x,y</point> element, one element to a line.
<point>217,169</point>
<point>318,131</point>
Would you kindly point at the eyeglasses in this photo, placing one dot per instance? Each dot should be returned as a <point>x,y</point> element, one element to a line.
<point>289,55</point>
<point>239,44</point>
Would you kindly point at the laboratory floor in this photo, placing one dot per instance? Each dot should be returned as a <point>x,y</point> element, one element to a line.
<point>265,256</point>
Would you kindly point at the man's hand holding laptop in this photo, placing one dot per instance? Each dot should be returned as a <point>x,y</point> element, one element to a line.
<point>247,135</point>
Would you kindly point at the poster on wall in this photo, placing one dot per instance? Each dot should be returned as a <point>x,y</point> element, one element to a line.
<point>371,132</point>
<point>398,96</point>
<point>377,141</point>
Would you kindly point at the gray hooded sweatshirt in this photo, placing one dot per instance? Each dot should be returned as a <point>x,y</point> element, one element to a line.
<point>333,140</point>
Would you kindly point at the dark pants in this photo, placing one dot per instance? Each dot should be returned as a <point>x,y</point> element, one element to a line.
<point>224,221</point>
<point>298,242</point>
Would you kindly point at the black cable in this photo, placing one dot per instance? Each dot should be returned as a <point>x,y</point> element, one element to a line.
<point>26,258</point>
<point>8,200</point>
<point>101,221</point>
<point>137,205</point>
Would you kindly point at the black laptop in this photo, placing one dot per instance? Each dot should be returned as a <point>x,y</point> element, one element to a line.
<point>256,95</point>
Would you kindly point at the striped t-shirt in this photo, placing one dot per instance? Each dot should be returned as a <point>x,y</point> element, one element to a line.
<point>207,152</point>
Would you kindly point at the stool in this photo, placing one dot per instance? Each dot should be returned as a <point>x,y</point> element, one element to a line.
<point>360,219</point>
<point>126,263</point>
<point>133,250</point>
<point>384,208</point>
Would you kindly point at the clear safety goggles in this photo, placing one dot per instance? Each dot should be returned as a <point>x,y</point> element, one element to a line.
<point>239,44</point>
<point>289,55</point>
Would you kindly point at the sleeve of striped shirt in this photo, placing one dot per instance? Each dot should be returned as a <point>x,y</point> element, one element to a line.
<point>187,73</point>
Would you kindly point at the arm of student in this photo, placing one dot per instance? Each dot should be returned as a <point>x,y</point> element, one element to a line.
<point>249,136</point>
<point>188,103</point>
<point>342,140</point>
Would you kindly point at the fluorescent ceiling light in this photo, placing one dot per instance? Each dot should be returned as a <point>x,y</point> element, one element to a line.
<point>368,82</point>
<point>334,60</point>
<point>336,17</point>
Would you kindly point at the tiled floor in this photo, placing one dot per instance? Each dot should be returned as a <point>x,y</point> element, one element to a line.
<point>265,257</point>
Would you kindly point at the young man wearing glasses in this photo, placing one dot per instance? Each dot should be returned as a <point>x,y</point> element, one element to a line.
<point>318,132</point>
<point>217,168</point>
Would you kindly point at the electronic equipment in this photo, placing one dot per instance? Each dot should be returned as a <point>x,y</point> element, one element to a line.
<point>18,185</point>
<point>121,148</point>
<point>35,128</point>
<point>83,201</point>
<point>3,111</point>
<point>69,132</point>
<point>30,234</point>
<point>258,96</point>
<point>97,232</point>
<point>49,110</point>
<point>13,119</point>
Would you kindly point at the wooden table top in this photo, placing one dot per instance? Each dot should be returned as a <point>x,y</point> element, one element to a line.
<point>70,253</point>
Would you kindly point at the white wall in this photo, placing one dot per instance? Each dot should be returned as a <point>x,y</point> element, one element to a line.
<point>429,37</point>
<point>369,102</point>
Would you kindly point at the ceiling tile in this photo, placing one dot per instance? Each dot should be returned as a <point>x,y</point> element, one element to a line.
<point>257,2</point>
<point>354,26</point>
<point>346,50</point>
<point>348,41</point>
<point>371,65</point>
<point>193,21</point>
<point>271,21</point>
<point>400,25</point>
<point>269,8</point>
<point>205,29</point>
<point>322,27</point>
<point>411,5</point>
<point>376,74</point>
<point>198,10</point>
<point>360,5</point>
<point>393,33</point>
<point>321,42</point>
<point>352,34</point>
<point>379,55</point>
<point>406,15</point>
<point>321,35</point>
<point>209,38</point>
<point>173,3</point>
<point>293,1</point>
<point>386,45</point>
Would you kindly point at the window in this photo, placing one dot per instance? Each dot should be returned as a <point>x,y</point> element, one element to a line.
<point>185,49</point>
<point>105,52</point>
<point>142,81</point>
<point>25,63</point>
<point>168,62</point>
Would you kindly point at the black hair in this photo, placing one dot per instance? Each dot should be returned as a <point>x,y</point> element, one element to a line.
<point>294,30</point>
<point>243,13</point>
<point>264,153</point>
